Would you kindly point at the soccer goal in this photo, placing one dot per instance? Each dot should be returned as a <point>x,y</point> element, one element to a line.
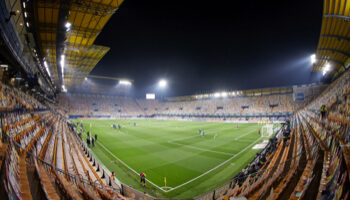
<point>267,130</point>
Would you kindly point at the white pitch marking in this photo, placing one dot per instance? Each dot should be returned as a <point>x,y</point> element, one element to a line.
<point>205,173</point>
<point>239,137</point>
<point>198,148</point>
<point>246,148</point>
<point>128,166</point>
<point>167,187</point>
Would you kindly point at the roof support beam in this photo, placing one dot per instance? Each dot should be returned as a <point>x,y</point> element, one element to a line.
<point>108,77</point>
<point>88,6</point>
<point>334,50</point>
<point>336,36</point>
<point>61,35</point>
<point>84,32</point>
<point>338,16</point>
<point>331,60</point>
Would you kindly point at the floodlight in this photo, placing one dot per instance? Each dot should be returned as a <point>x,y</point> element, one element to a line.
<point>68,25</point>
<point>326,68</point>
<point>217,94</point>
<point>62,65</point>
<point>313,58</point>
<point>24,5</point>
<point>62,61</point>
<point>162,83</point>
<point>124,82</point>
<point>25,14</point>
<point>85,78</point>
<point>224,94</point>
<point>64,88</point>
<point>47,68</point>
<point>27,24</point>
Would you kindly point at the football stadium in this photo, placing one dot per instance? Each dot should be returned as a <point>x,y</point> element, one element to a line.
<point>174,107</point>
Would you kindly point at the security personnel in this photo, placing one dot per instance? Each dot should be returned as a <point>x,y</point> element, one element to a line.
<point>323,111</point>
<point>111,179</point>
<point>143,179</point>
<point>262,160</point>
<point>286,133</point>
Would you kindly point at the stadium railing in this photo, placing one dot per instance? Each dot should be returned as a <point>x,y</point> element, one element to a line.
<point>32,159</point>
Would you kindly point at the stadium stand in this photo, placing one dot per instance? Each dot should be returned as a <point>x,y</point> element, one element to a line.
<point>311,169</point>
<point>36,138</point>
<point>42,156</point>
<point>273,106</point>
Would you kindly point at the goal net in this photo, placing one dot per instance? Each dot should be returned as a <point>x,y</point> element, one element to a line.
<point>267,130</point>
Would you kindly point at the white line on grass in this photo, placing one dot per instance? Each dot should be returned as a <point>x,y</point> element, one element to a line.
<point>239,137</point>
<point>205,173</point>
<point>167,187</point>
<point>198,148</point>
<point>128,166</point>
<point>246,148</point>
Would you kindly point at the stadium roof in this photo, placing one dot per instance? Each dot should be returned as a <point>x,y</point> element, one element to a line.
<point>334,42</point>
<point>67,30</point>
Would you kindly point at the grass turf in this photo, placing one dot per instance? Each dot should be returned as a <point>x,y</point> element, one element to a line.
<point>192,164</point>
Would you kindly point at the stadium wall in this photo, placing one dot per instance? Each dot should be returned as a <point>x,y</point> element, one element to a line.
<point>135,194</point>
<point>90,116</point>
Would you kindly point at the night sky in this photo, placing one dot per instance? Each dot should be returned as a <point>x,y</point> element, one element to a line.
<point>200,47</point>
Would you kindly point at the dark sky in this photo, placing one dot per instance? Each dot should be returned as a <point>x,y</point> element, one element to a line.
<point>201,46</point>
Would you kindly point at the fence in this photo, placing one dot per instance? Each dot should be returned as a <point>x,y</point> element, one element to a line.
<point>76,179</point>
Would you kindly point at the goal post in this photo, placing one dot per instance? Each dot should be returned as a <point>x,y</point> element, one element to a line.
<point>267,130</point>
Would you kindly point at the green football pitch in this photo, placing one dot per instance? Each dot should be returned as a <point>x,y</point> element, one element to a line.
<point>192,164</point>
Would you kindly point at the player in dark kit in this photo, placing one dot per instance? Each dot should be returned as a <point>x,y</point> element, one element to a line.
<point>143,179</point>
